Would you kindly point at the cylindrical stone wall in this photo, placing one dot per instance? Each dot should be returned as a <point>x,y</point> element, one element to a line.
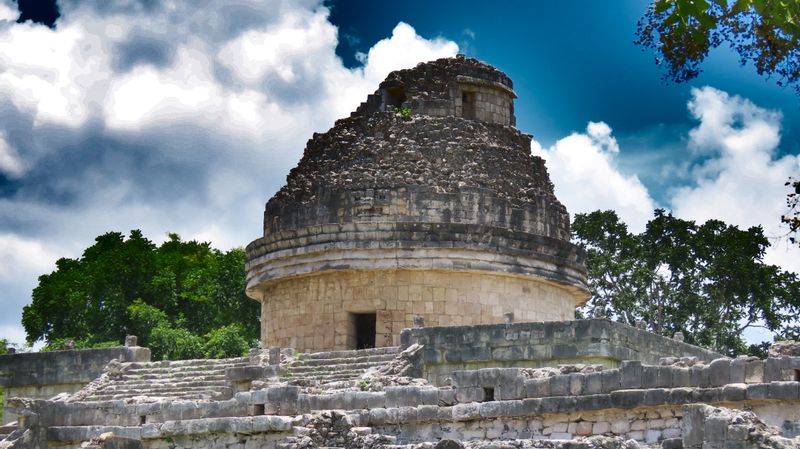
<point>315,312</point>
<point>439,211</point>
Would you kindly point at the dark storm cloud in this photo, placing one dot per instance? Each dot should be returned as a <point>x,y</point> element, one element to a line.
<point>45,12</point>
<point>219,21</point>
<point>140,49</point>
<point>155,167</point>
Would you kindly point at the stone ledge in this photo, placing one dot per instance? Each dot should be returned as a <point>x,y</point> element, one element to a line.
<point>336,257</point>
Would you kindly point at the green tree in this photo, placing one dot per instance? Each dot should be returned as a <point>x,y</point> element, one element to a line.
<point>708,281</point>
<point>86,299</point>
<point>226,341</point>
<point>120,286</point>
<point>168,342</point>
<point>765,33</point>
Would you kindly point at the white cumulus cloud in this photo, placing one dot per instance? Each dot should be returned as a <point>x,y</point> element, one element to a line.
<point>584,169</point>
<point>739,179</point>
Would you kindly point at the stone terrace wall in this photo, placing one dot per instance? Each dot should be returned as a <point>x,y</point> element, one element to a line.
<point>448,349</point>
<point>636,401</point>
<point>42,375</point>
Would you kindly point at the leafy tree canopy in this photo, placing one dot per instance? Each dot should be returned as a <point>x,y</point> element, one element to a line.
<point>765,33</point>
<point>707,280</point>
<point>176,297</point>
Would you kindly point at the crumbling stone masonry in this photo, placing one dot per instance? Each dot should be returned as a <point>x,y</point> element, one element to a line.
<point>44,375</point>
<point>444,215</point>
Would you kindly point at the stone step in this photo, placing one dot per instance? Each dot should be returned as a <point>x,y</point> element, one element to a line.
<point>348,353</point>
<point>5,431</point>
<point>176,378</point>
<point>191,362</point>
<point>183,369</point>
<point>301,368</point>
<point>377,358</point>
<point>162,385</point>
<point>164,389</point>
<point>323,379</point>
<point>217,393</point>
<point>342,375</point>
<point>327,378</point>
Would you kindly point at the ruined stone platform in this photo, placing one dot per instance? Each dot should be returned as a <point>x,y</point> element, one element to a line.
<point>280,399</point>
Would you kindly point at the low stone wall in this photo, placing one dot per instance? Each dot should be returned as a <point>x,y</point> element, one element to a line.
<point>448,349</point>
<point>42,375</point>
<point>636,401</point>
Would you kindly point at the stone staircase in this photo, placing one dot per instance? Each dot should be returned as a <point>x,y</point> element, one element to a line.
<point>6,430</point>
<point>336,368</point>
<point>173,380</point>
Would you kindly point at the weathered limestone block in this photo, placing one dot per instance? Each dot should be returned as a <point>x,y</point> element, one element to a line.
<point>719,372</point>
<point>466,412</point>
<point>537,388</point>
<point>754,372</point>
<point>631,374</point>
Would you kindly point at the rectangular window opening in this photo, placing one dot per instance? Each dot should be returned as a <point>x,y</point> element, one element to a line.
<point>488,394</point>
<point>797,375</point>
<point>258,409</point>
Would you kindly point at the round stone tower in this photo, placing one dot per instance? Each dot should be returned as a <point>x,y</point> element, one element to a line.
<point>425,202</point>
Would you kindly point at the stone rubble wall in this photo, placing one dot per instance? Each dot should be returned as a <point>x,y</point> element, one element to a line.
<point>434,86</point>
<point>448,349</point>
<point>42,375</point>
<point>383,151</point>
<point>706,427</point>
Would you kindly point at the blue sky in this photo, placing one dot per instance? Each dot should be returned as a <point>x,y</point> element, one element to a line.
<point>186,116</point>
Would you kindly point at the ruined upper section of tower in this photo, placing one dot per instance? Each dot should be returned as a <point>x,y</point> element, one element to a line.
<point>434,144</point>
<point>459,87</point>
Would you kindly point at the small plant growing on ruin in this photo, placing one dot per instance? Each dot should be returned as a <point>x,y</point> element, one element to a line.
<point>404,113</point>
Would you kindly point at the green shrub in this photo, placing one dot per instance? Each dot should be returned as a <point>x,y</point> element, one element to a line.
<point>226,341</point>
<point>59,343</point>
<point>168,342</point>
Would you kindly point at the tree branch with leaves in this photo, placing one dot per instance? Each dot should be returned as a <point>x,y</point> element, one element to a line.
<point>765,33</point>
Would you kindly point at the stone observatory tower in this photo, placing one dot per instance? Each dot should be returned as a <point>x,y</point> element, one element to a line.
<point>425,202</point>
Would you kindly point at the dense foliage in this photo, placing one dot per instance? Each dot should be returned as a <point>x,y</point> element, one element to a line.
<point>182,299</point>
<point>765,33</point>
<point>708,281</point>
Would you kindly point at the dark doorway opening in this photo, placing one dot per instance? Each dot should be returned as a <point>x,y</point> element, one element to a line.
<point>395,96</point>
<point>365,330</point>
<point>468,105</point>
